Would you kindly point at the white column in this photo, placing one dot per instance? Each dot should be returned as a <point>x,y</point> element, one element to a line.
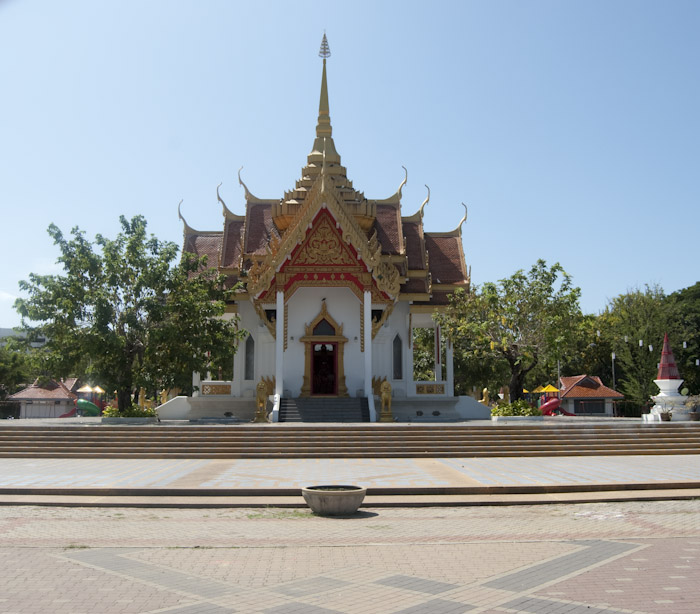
<point>196,384</point>
<point>411,385</point>
<point>449,365</point>
<point>279,344</point>
<point>368,355</point>
<point>438,365</point>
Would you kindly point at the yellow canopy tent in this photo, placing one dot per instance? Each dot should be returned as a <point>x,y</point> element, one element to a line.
<point>86,389</point>
<point>549,388</point>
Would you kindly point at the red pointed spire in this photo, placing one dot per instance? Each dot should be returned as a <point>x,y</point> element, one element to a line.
<point>667,366</point>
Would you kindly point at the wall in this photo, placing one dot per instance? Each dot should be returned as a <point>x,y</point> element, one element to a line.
<point>344,307</point>
<point>264,352</point>
<point>383,350</point>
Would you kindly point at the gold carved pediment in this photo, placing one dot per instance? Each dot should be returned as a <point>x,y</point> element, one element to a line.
<point>324,246</point>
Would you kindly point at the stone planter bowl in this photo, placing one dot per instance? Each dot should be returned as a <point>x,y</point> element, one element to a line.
<point>334,500</point>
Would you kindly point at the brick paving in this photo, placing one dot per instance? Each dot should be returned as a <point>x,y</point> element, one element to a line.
<point>605,558</point>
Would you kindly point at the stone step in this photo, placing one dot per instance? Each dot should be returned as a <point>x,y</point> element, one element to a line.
<point>356,441</point>
<point>329,439</point>
<point>327,409</point>
<point>349,451</point>
<point>544,429</point>
<point>537,427</point>
<point>199,454</point>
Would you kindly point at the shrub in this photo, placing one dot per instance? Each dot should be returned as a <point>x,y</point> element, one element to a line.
<point>516,408</point>
<point>693,402</point>
<point>130,412</point>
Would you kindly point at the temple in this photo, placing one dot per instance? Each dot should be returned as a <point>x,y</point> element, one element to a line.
<point>334,285</point>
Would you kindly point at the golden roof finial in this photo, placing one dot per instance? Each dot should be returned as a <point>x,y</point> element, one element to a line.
<point>323,128</point>
<point>464,219</point>
<point>187,229</point>
<point>425,202</point>
<point>325,51</point>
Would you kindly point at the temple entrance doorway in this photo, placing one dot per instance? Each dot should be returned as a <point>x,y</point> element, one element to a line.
<point>324,346</point>
<point>324,369</point>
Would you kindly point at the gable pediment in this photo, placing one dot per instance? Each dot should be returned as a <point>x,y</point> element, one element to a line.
<point>324,246</point>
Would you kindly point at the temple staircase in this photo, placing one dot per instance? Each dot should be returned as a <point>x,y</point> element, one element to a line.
<point>324,409</point>
<point>346,441</point>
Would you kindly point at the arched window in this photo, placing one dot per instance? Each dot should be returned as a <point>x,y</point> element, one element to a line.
<point>398,358</point>
<point>249,358</point>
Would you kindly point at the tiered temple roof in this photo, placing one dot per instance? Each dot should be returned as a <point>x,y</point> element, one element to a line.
<point>427,265</point>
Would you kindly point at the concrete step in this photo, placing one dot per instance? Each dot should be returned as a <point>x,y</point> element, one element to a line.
<point>341,451</point>
<point>261,440</point>
<point>371,501</point>
<point>233,433</point>
<point>200,454</point>
<point>315,410</point>
<point>340,441</point>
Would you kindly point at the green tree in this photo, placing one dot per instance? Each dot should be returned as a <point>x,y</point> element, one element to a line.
<point>14,368</point>
<point>639,316</point>
<point>685,305</point>
<point>590,350</point>
<point>423,354</point>
<point>125,314</point>
<point>517,321</point>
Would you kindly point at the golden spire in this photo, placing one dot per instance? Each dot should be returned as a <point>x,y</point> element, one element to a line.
<point>323,128</point>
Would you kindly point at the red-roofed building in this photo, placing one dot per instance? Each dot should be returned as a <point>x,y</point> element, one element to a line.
<point>48,399</point>
<point>586,395</point>
<point>333,283</point>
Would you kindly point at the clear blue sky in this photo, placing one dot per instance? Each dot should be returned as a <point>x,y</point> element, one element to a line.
<point>571,129</point>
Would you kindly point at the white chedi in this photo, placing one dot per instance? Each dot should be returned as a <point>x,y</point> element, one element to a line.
<point>669,381</point>
<point>670,400</point>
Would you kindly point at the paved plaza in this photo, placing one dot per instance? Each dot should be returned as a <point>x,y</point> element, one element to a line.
<point>377,473</point>
<point>444,552</point>
<point>603,558</point>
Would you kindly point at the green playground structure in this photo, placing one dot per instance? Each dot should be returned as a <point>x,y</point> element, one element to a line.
<point>87,409</point>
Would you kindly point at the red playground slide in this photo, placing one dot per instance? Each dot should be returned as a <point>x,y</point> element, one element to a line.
<point>553,408</point>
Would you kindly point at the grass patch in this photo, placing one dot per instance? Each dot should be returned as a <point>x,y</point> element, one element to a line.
<point>279,513</point>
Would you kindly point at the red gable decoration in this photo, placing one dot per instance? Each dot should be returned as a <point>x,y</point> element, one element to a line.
<point>667,366</point>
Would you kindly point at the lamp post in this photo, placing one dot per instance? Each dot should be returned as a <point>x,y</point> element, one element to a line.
<point>613,368</point>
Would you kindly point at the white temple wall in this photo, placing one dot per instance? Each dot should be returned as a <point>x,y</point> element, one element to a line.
<point>263,357</point>
<point>344,307</point>
<point>383,350</point>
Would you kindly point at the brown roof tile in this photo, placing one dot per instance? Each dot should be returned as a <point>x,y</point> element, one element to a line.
<point>445,259</point>
<point>232,243</point>
<point>415,285</point>
<point>259,226</point>
<point>230,281</point>
<point>388,227</point>
<point>53,390</point>
<point>71,383</point>
<point>586,387</point>
<point>436,298</point>
<point>415,245</point>
<point>205,244</point>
